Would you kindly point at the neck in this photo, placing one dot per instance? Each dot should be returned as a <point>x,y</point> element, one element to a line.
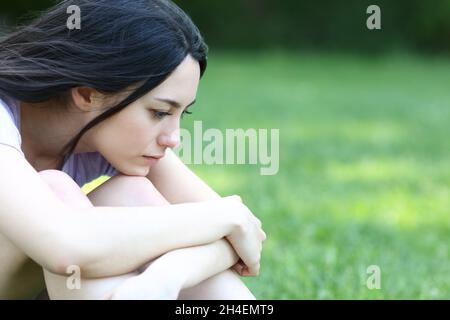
<point>46,129</point>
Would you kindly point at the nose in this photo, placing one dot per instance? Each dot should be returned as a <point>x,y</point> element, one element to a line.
<point>170,140</point>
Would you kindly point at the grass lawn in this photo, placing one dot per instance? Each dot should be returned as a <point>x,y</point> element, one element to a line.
<point>364,173</point>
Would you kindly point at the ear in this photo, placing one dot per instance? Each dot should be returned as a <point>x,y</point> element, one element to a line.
<point>85,98</point>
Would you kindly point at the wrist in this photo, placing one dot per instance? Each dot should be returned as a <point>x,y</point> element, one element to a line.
<point>223,219</point>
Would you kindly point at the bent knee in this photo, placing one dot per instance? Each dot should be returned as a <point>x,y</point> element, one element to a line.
<point>65,188</point>
<point>225,285</point>
<point>122,190</point>
<point>55,176</point>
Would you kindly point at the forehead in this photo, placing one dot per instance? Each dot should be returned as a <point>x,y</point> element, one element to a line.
<point>182,84</point>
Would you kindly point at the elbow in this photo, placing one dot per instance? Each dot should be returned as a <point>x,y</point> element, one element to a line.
<point>62,242</point>
<point>68,250</point>
<point>65,257</point>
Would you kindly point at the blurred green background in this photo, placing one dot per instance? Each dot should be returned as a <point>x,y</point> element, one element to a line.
<point>364,121</point>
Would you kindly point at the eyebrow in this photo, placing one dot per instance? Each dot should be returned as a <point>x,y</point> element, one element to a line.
<point>174,103</point>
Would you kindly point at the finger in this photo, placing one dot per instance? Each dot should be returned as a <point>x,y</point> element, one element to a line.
<point>238,269</point>
<point>245,272</point>
<point>240,264</point>
<point>264,236</point>
<point>252,271</point>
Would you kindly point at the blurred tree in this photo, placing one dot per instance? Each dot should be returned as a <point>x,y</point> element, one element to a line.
<point>321,24</point>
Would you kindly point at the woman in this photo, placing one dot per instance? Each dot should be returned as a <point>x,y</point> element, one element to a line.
<point>107,99</point>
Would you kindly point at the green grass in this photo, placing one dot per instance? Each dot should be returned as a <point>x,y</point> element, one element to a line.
<point>364,173</point>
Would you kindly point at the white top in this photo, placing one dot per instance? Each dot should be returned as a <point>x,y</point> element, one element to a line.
<point>82,167</point>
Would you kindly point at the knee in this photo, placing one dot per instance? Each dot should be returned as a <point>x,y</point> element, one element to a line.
<point>229,284</point>
<point>226,285</point>
<point>65,188</point>
<point>55,176</point>
<point>122,190</point>
<point>58,181</point>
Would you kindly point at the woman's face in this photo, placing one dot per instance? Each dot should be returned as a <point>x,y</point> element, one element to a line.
<point>150,125</point>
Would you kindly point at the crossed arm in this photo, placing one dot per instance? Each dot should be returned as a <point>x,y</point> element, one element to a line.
<point>186,267</point>
<point>173,271</point>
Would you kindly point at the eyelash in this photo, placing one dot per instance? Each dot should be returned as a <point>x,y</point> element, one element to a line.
<point>186,112</point>
<point>159,114</point>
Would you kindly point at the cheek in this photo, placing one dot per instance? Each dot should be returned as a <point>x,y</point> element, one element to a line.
<point>135,131</point>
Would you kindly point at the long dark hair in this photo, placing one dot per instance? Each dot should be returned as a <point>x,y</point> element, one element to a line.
<point>121,43</point>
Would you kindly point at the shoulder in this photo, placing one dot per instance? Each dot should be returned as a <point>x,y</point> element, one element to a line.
<point>85,167</point>
<point>10,107</point>
<point>10,123</point>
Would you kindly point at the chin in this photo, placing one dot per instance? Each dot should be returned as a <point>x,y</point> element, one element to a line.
<point>136,171</point>
<point>140,172</point>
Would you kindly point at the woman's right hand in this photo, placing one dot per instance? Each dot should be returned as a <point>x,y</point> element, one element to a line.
<point>247,237</point>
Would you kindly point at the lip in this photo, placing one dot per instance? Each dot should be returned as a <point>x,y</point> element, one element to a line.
<point>151,160</point>
<point>154,157</point>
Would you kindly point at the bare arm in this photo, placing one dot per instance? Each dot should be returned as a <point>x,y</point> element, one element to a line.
<point>56,236</point>
<point>174,271</point>
<point>195,264</point>
<point>170,171</point>
<point>181,268</point>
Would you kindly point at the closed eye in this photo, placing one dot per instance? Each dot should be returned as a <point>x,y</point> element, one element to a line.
<point>185,112</point>
<point>160,114</point>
